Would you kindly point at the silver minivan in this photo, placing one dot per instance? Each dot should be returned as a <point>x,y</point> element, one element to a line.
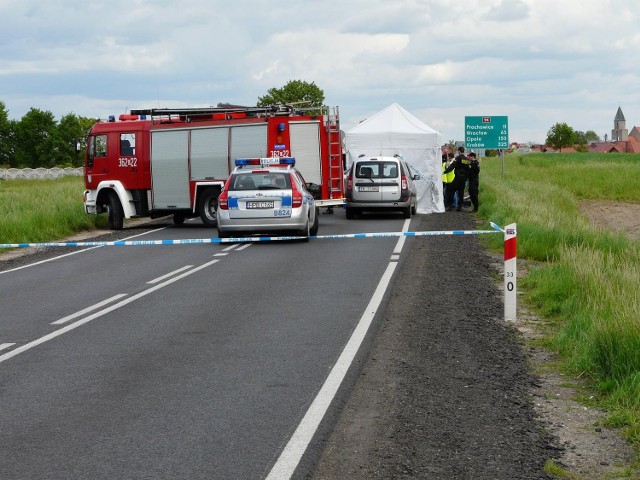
<point>380,184</point>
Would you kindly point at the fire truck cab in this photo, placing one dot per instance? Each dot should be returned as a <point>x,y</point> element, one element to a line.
<point>158,162</point>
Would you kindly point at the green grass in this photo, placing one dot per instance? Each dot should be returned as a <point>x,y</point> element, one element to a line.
<point>588,284</point>
<point>43,210</point>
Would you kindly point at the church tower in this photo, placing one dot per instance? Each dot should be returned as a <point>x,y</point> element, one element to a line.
<point>619,132</point>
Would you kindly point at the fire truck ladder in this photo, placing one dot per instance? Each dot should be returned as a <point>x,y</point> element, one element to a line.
<point>336,169</point>
<point>272,110</point>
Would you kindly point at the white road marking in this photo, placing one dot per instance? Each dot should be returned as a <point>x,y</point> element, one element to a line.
<point>84,320</point>
<point>6,345</point>
<point>89,309</point>
<point>170,274</point>
<point>245,246</point>
<point>293,451</point>
<point>401,240</point>
<point>74,253</point>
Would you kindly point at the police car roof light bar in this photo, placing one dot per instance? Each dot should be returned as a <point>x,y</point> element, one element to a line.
<point>270,161</point>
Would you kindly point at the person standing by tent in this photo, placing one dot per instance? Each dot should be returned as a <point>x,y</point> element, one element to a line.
<point>447,181</point>
<point>474,180</point>
<point>461,166</point>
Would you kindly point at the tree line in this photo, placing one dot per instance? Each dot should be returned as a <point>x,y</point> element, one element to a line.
<point>38,140</point>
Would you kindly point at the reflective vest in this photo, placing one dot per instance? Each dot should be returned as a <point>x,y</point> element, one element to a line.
<point>447,177</point>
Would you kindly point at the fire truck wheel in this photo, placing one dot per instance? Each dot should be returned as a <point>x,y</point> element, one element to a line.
<point>115,212</point>
<point>208,206</point>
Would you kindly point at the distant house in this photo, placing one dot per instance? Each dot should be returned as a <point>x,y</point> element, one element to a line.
<point>608,147</point>
<point>622,141</point>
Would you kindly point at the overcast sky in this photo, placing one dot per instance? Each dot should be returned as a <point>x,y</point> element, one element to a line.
<point>538,62</point>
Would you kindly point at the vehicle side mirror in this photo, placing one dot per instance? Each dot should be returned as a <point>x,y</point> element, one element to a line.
<point>416,177</point>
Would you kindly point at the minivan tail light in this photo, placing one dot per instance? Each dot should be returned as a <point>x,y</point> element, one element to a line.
<point>296,196</point>
<point>404,183</point>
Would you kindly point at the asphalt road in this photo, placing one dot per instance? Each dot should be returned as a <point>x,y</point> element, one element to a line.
<point>191,361</point>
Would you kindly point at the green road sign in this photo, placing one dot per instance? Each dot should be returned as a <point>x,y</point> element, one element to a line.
<point>486,132</point>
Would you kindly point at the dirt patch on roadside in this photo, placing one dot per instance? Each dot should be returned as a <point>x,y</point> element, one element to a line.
<point>622,217</point>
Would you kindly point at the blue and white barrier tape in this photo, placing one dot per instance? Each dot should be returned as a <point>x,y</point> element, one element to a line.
<point>196,241</point>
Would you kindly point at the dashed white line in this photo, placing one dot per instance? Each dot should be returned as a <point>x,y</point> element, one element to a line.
<point>170,274</point>
<point>78,323</point>
<point>89,309</point>
<point>6,345</point>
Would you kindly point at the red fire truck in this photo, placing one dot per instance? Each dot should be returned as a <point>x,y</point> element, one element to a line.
<point>158,162</point>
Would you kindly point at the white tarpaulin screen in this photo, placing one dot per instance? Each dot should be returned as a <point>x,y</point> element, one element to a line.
<point>395,131</point>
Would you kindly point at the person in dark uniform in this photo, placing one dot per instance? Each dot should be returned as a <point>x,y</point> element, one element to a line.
<point>461,167</point>
<point>448,179</point>
<point>474,180</point>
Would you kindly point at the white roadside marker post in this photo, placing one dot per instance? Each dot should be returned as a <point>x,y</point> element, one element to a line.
<point>510,272</point>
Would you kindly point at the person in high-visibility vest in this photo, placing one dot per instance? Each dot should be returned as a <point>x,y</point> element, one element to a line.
<point>461,165</point>
<point>447,182</point>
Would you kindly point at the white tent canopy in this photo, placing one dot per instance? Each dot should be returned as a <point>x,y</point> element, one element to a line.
<point>395,131</point>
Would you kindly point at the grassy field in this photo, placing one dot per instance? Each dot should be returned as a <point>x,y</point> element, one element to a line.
<point>586,282</point>
<point>43,210</point>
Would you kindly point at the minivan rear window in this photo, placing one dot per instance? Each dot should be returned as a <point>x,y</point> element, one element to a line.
<point>377,170</point>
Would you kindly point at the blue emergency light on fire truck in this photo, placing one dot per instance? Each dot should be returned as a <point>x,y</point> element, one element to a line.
<point>158,162</point>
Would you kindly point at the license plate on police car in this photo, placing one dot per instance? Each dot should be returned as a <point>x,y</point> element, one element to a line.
<point>369,189</point>
<point>260,204</point>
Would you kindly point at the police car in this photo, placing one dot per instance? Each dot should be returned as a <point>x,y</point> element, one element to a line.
<point>267,195</point>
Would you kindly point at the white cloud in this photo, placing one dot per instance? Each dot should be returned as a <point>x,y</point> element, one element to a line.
<point>532,60</point>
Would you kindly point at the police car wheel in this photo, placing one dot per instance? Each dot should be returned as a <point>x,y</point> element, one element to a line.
<point>316,224</point>
<point>305,233</point>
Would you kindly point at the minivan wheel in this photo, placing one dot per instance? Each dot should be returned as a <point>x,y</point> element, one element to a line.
<point>351,214</point>
<point>406,212</point>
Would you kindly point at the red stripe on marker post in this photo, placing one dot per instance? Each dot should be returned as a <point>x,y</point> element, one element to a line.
<point>510,247</point>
